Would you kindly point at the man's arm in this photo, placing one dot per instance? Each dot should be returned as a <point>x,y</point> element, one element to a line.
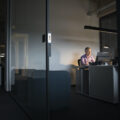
<point>93,60</point>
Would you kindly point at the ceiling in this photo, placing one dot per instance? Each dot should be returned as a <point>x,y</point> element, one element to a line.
<point>101,3</point>
<point>101,7</point>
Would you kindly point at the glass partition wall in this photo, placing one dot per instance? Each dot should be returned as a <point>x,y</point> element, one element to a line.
<point>28,56</point>
<point>74,26</point>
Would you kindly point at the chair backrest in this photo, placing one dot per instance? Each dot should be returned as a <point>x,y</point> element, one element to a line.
<point>79,62</point>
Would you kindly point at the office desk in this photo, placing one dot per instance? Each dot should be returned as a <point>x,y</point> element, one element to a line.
<point>82,80</point>
<point>102,82</point>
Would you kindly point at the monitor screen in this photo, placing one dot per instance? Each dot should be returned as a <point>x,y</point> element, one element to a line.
<point>104,56</point>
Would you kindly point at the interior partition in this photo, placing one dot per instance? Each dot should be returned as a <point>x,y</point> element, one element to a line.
<point>28,56</point>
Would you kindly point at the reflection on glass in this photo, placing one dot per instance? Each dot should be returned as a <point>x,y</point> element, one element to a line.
<point>28,62</point>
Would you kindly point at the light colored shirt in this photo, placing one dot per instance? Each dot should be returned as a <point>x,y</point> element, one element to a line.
<point>85,59</point>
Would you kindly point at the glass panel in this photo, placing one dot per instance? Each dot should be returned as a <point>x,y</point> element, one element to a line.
<point>28,56</point>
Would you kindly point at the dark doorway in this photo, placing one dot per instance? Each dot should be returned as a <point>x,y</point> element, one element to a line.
<point>3,22</point>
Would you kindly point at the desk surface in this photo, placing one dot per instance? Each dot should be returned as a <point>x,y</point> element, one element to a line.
<point>102,80</point>
<point>84,67</point>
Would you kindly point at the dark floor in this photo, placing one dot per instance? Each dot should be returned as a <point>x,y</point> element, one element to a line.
<point>9,109</point>
<point>81,108</point>
<point>85,108</point>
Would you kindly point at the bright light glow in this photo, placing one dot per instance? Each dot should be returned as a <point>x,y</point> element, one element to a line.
<point>2,55</point>
<point>106,47</point>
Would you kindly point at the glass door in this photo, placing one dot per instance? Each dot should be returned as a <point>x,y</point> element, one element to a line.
<point>27,56</point>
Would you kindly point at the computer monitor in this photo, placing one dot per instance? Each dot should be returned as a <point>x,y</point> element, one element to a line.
<point>103,57</point>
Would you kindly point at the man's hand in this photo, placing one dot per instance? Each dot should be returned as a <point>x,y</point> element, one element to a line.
<point>87,63</point>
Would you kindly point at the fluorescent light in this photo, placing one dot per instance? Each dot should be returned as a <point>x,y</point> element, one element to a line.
<point>106,47</point>
<point>2,55</point>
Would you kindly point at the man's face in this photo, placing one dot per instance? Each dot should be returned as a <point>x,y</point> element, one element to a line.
<point>88,52</point>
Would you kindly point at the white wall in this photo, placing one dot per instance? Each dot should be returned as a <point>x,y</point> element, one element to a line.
<point>69,39</point>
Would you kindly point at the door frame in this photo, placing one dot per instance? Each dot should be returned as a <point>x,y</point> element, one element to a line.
<point>8,46</point>
<point>118,39</point>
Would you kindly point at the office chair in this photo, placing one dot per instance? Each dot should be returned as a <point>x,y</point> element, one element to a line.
<point>79,62</point>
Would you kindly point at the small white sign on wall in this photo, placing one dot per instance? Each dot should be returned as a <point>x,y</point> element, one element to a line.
<point>49,38</point>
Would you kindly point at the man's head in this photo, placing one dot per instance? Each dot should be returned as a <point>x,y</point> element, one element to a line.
<point>88,51</point>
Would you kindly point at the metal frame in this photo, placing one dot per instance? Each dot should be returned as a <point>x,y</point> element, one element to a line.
<point>101,29</point>
<point>118,38</point>
<point>47,59</point>
<point>8,46</point>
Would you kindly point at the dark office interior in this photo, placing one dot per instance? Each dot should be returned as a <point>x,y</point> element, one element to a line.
<point>42,78</point>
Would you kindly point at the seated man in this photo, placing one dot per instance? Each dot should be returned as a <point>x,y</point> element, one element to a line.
<point>87,58</point>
